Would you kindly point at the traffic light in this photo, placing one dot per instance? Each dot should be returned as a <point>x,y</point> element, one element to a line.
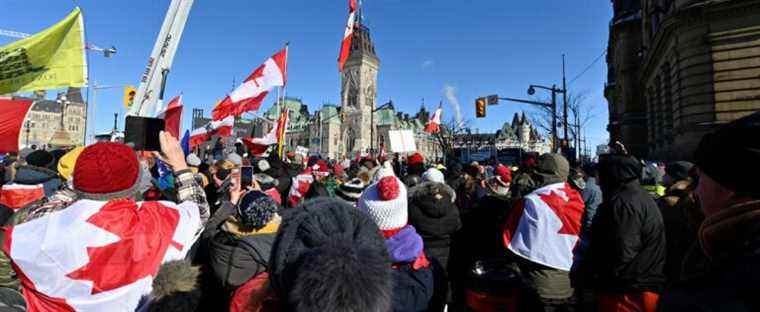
<point>480,107</point>
<point>129,95</point>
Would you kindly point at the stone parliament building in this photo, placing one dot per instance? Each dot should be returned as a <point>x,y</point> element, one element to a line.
<point>357,126</point>
<point>677,69</point>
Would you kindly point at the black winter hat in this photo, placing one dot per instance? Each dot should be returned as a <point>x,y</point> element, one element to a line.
<point>731,155</point>
<point>329,256</point>
<point>40,158</point>
<point>256,209</point>
<point>678,170</point>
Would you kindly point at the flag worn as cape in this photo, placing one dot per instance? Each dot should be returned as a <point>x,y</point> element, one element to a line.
<point>544,227</point>
<point>98,255</point>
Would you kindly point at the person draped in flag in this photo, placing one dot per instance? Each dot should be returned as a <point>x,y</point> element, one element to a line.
<point>249,95</point>
<point>106,246</point>
<point>542,230</point>
<point>33,181</point>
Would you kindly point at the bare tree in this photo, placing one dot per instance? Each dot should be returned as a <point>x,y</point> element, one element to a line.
<point>580,113</point>
<point>445,137</point>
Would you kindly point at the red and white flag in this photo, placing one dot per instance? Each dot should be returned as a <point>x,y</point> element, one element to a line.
<point>249,95</point>
<point>544,227</point>
<point>300,186</point>
<point>172,116</point>
<point>434,124</point>
<point>221,128</point>
<point>345,46</point>
<point>97,255</point>
<point>12,117</point>
<point>16,196</point>
<point>257,146</point>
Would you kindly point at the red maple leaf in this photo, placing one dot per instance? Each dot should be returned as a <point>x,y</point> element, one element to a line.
<point>568,211</point>
<point>144,236</point>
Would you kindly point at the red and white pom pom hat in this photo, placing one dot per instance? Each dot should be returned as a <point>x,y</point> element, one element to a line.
<point>385,202</point>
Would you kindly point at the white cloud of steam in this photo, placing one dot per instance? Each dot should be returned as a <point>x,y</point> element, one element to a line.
<point>450,92</point>
<point>427,64</point>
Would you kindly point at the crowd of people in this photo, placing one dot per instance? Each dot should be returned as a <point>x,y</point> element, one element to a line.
<point>298,233</point>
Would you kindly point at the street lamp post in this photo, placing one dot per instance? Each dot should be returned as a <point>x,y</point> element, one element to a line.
<point>28,129</point>
<point>372,126</point>
<point>551,105</point>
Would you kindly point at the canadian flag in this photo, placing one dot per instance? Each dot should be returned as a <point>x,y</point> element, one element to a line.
<point>222,128</point>
<point>345,47</point>
<point>249,95</point>
<point>300,186</point>
<point>258,146</point>
<point>97,255</point>
<point>11,120</point>
<point>16,196</point>
<point>172,116</point>
<point>545,225</point>
<point>434,124</point>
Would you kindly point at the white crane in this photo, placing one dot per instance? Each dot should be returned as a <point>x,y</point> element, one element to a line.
<point>107,52</point>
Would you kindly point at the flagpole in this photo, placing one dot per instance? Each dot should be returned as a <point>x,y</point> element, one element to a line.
<point>282,103</point>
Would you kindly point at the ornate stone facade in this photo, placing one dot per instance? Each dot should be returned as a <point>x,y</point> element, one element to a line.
<point>351,127</point>
<point>519,134</point>
<point>358,93</point>
<point>46,117</point>
<point>697,67</point>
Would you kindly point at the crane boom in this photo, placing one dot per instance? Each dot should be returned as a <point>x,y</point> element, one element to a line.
<point>13,34</point>
<point>147,101</point>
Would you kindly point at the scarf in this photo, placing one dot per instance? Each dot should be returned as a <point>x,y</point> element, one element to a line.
<point>730,229</point>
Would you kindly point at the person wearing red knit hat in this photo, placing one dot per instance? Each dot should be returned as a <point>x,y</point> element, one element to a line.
<point>415,166</point>
<point>385,202</point>
<point>107,205</point>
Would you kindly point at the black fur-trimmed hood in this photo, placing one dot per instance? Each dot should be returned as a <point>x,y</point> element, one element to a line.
<point>432,198</point>
<point>175,288</point>
<point>432,188</point>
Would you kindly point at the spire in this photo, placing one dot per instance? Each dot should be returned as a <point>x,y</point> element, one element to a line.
<point>361,43</point>
<point>515,120</point>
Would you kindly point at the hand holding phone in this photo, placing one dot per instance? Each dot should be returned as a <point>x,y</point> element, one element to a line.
<point>171,152</point>
<point>143,133</point>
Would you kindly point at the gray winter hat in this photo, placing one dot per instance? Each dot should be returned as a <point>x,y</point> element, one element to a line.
<point>552,168</point>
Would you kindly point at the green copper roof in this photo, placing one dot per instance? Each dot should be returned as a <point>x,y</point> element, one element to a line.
<point>296,119</point>
<point>329,113</point>
<point>385,117</point>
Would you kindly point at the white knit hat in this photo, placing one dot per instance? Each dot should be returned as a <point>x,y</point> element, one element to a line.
<point>385,203</point>
<point>433,175</point>
<point>235,159</point>
<point>193,160</point>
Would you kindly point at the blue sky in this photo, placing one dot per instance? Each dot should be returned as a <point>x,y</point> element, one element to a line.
<point>427,47</point>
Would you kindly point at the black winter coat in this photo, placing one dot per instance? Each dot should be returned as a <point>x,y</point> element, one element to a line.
<point>482,232</point>
<point>30,175</point>
<point>435,217</point>
<point>727,284</point>
<point>237,258</point>
<point>412,289</point>
<point>627,248</point>
<point>729,279</point>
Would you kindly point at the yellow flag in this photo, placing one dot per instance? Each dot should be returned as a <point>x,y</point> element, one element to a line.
<point>51,59</point>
